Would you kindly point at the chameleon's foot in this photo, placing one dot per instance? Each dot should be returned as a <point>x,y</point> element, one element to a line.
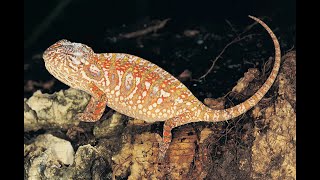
<point>74,132</point>
<point>163,147</point>
<point>87,117</point>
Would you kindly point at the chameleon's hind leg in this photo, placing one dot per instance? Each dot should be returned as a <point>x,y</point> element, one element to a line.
<point>167,135</point>
<point>95,107</point>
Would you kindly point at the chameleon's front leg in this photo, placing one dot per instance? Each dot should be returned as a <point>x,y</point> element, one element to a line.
<point>95,107</point>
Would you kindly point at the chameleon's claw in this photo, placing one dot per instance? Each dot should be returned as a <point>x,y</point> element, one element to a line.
<point>162,152</point>
<point>87,117</point>
<point>163,147</point>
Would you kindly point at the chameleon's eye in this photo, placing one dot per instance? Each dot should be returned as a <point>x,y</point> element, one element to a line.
<point>74,59</point>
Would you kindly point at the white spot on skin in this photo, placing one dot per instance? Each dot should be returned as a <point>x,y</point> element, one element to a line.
<point>157,110</point>
<point>140,106</point>
<point>147,84</point>
<point>159,101</point>
<point>206,116</point>
<point>144,110</point>
<point>154,104</point>
<point>144,93</point>
<point>117,93</point>
<point>164,94</point>
<point>155,89</point>
<point>180,86</point>
<point>112,92</point>
<point>137,80</point>
<point>120,55</point>
<point>120,78</point>
<point>133,92</point>
<point>107,55</point>
<point>150,107</point>
<point>149,112</point>
<point>179,100</point>
<point>188,103</point>
<point>128,81</point>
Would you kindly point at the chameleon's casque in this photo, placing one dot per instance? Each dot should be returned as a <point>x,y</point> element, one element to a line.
<point>138,88</point>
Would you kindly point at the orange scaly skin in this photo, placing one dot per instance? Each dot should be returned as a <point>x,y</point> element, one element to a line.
<point>138,88</point>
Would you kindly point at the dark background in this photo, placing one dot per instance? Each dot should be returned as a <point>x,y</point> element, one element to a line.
<point>99,23</point>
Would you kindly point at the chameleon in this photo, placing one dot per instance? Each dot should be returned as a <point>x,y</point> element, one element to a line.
<point>140,89</point>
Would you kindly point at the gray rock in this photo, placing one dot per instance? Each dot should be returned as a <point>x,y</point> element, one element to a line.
<point>48,111</point>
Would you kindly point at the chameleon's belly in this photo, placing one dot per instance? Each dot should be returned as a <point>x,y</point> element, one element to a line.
<point>141,89</point>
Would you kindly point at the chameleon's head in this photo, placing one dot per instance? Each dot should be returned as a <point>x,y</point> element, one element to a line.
<point>66,60</point>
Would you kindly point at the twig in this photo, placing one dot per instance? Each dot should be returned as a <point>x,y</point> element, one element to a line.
<point>237,39</point>
<point>147,30</point>
<point>231,26</point>
<point>265,66</point>
<point>117,167</point>
<point>37,32</point>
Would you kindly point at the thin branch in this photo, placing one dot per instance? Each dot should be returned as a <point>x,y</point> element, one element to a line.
<point>232,27</point>
<point>38,31</point>
<point>237,39</point>
<point>147,30</point>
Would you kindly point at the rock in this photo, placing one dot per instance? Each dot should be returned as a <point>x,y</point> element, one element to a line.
<point>48,111</point>
<point>138,158</point>
<point>46,156</point>
<point>274,148</point>
<point>49,157</point>
<point>109,128</point>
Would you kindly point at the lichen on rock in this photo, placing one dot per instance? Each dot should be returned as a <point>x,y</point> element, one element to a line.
<point>47,111</point>
<point>46,156</point>
<point>110,127</point>
<point>274,148</point>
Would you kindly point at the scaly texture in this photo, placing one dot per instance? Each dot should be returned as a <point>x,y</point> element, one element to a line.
<point>138,88</point>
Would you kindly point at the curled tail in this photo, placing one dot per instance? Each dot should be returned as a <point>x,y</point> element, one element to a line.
<point>226,114</point>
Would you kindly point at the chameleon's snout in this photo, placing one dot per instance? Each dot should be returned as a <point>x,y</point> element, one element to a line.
<point>55,46</point>
<point>45,54</point>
